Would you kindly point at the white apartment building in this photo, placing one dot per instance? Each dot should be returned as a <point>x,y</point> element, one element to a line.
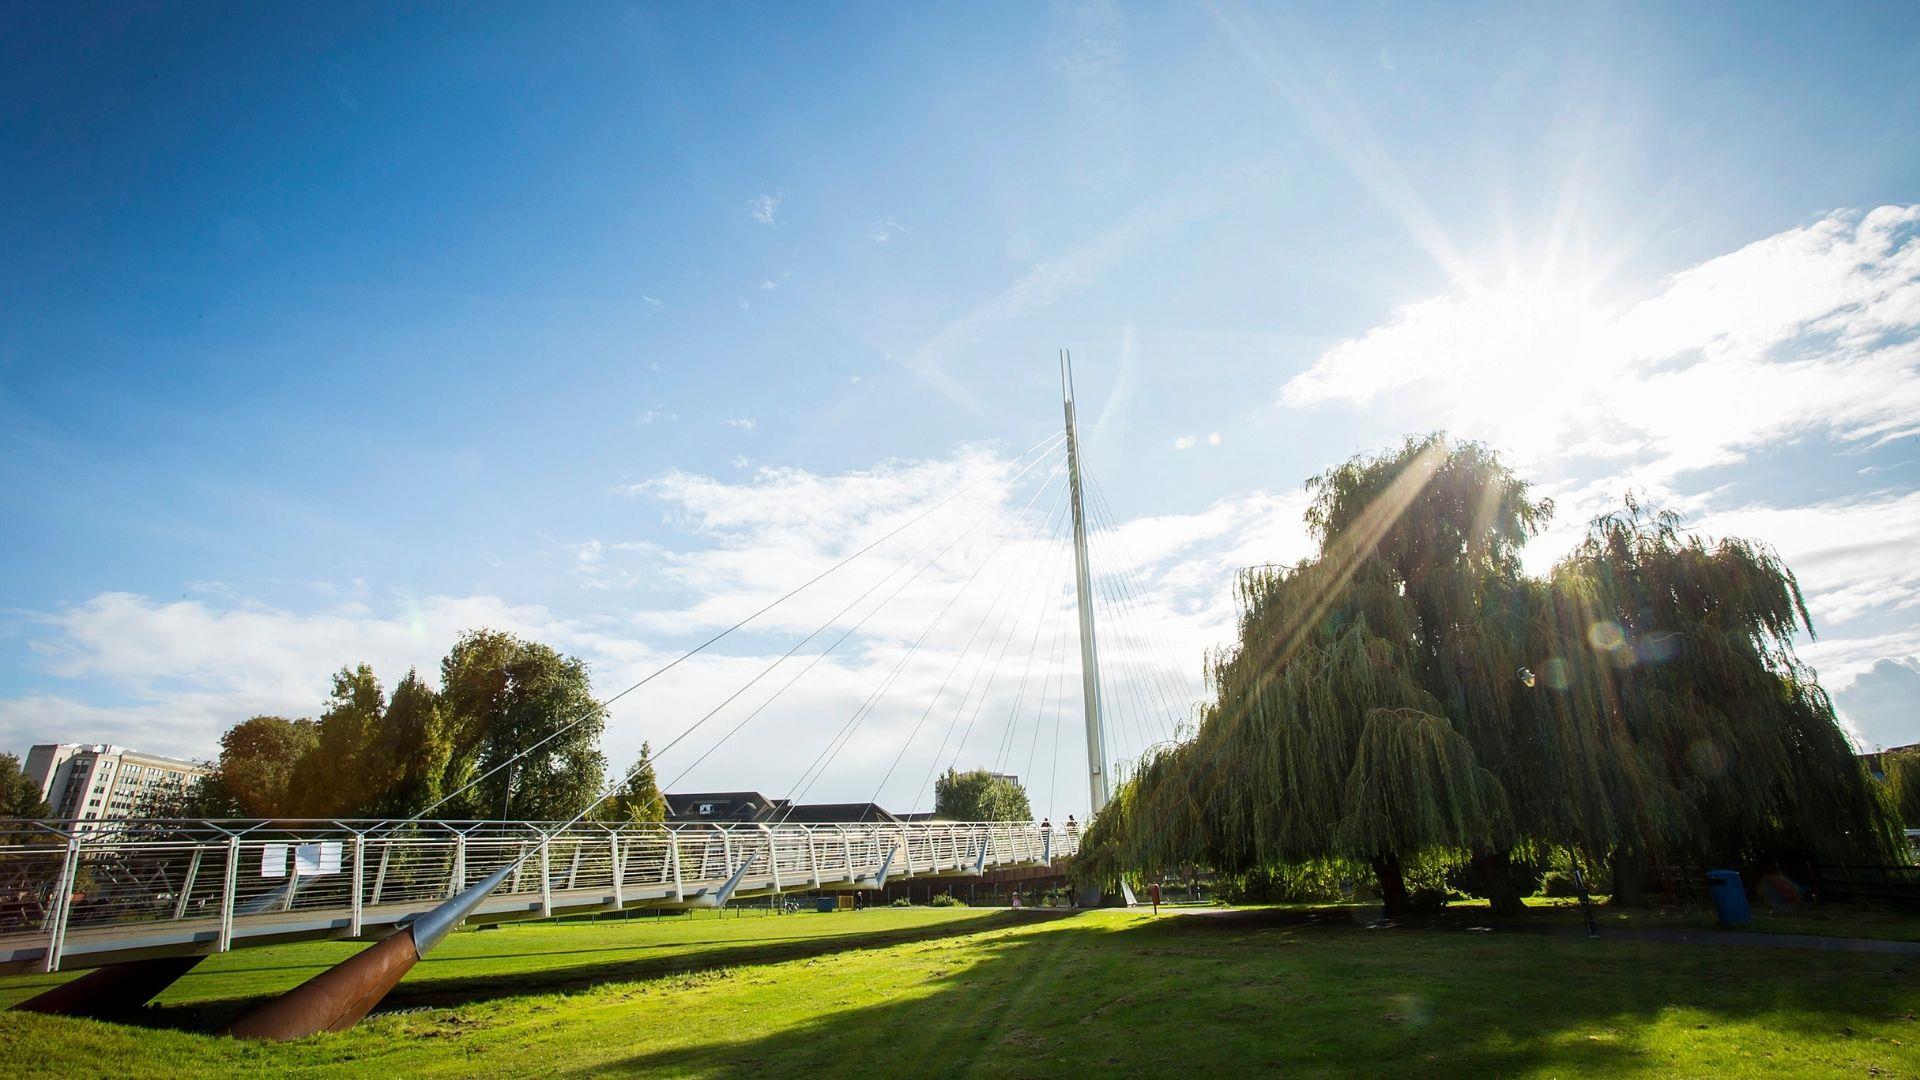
<point>88,781</point>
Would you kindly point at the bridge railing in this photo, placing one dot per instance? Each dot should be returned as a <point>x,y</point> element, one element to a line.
<point>215,875</point>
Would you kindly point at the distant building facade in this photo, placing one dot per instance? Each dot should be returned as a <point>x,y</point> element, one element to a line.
<point>89,781</point>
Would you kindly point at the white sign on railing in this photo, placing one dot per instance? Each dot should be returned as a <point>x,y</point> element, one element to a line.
<point>310,860</point>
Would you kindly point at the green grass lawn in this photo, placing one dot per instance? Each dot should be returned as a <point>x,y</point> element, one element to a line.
<point>957,991</point>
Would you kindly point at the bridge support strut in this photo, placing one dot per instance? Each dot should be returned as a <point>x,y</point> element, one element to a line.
<point>114,991</point>
<point>337,998</point>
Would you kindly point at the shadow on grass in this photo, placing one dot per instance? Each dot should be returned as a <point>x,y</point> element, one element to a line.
<point>424,988</point>
<point>1277,992</point>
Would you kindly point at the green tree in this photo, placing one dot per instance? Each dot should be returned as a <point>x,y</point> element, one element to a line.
<point>1902,769</point>
<point>638,797</point>
<point>1409,695</point>
<point>505,697</point>
<point>338,776</point>
<point>407,758</point>
<point>980,795</point>
<point>1684,646</point>
<point>19,795</point>
<point>257,761</point>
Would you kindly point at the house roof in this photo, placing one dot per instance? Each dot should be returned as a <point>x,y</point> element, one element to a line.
<point>814,813</point>
<point>726,804</point>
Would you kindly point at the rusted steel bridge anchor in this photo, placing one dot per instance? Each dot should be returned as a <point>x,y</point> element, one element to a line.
<point>337,998</point>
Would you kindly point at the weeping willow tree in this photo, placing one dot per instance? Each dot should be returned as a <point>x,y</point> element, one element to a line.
<point>1902,769</point>
<point>1410,694</point>
<point>1681,650</point>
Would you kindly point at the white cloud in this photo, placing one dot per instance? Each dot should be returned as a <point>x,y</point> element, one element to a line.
<point>652,303</point>
<point>656,416</point>
<point>1809,331</point>
<point>1809,338</point>
<point>1880,703</point>
<point>170,675</point>
<point>1854,557</point>
<point>1183,442</point>
<point>883,231</point>
<point>185,670</point>
<point>744,423</point>
<point>763,207</point>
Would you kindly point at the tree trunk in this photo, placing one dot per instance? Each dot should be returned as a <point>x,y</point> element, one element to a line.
<point>1629,877</point>
<point>1393,886</point>
<point>1495,871</point>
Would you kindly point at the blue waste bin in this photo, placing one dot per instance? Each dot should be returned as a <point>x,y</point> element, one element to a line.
<point>1729,899</point>
<point>825,904</point>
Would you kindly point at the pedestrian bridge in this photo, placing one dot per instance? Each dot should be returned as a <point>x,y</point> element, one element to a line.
<point>142,900</point>
<point>110,892</point>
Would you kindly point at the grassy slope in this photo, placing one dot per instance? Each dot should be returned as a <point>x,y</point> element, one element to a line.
<point>973,992</point>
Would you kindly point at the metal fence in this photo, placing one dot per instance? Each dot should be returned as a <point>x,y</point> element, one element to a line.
<point>104,889</point>
<point>1900,884</point>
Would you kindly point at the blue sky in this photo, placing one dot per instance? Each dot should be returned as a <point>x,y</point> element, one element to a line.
<point>331,330</point>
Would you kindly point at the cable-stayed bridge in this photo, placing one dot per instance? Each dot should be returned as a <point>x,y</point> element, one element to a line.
<point>143,900</point>
<point>143,889</point>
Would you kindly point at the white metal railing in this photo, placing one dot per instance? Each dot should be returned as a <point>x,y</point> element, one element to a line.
<point>215,883</point>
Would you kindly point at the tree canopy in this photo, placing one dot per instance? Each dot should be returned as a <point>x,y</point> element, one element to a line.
<point>258,760</point>
<point>19,795</point>
<point>1409,694</point>
<point>505,697</point>
<point>378,754</point>
<point>637,798</point>
<point>980,795</point>
<point>1902,770</point>
<point>336,776</point>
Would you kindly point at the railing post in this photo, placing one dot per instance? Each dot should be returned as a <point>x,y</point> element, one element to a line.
<point>62,903</point>
<point>459,875</point>
<point>546,879</point>
<point>673,852</point>
<point>226,894</point>
<point>359,878</point>
<point>619,870</point>
<point>773,856</point>
<point>846,850</point>
<point>573,867</point>
<point>813,859</point>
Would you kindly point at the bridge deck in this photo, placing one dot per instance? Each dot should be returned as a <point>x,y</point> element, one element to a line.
<point>105,892</point>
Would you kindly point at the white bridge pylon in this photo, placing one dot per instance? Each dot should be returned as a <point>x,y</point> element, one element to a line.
<point>109,892</point>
